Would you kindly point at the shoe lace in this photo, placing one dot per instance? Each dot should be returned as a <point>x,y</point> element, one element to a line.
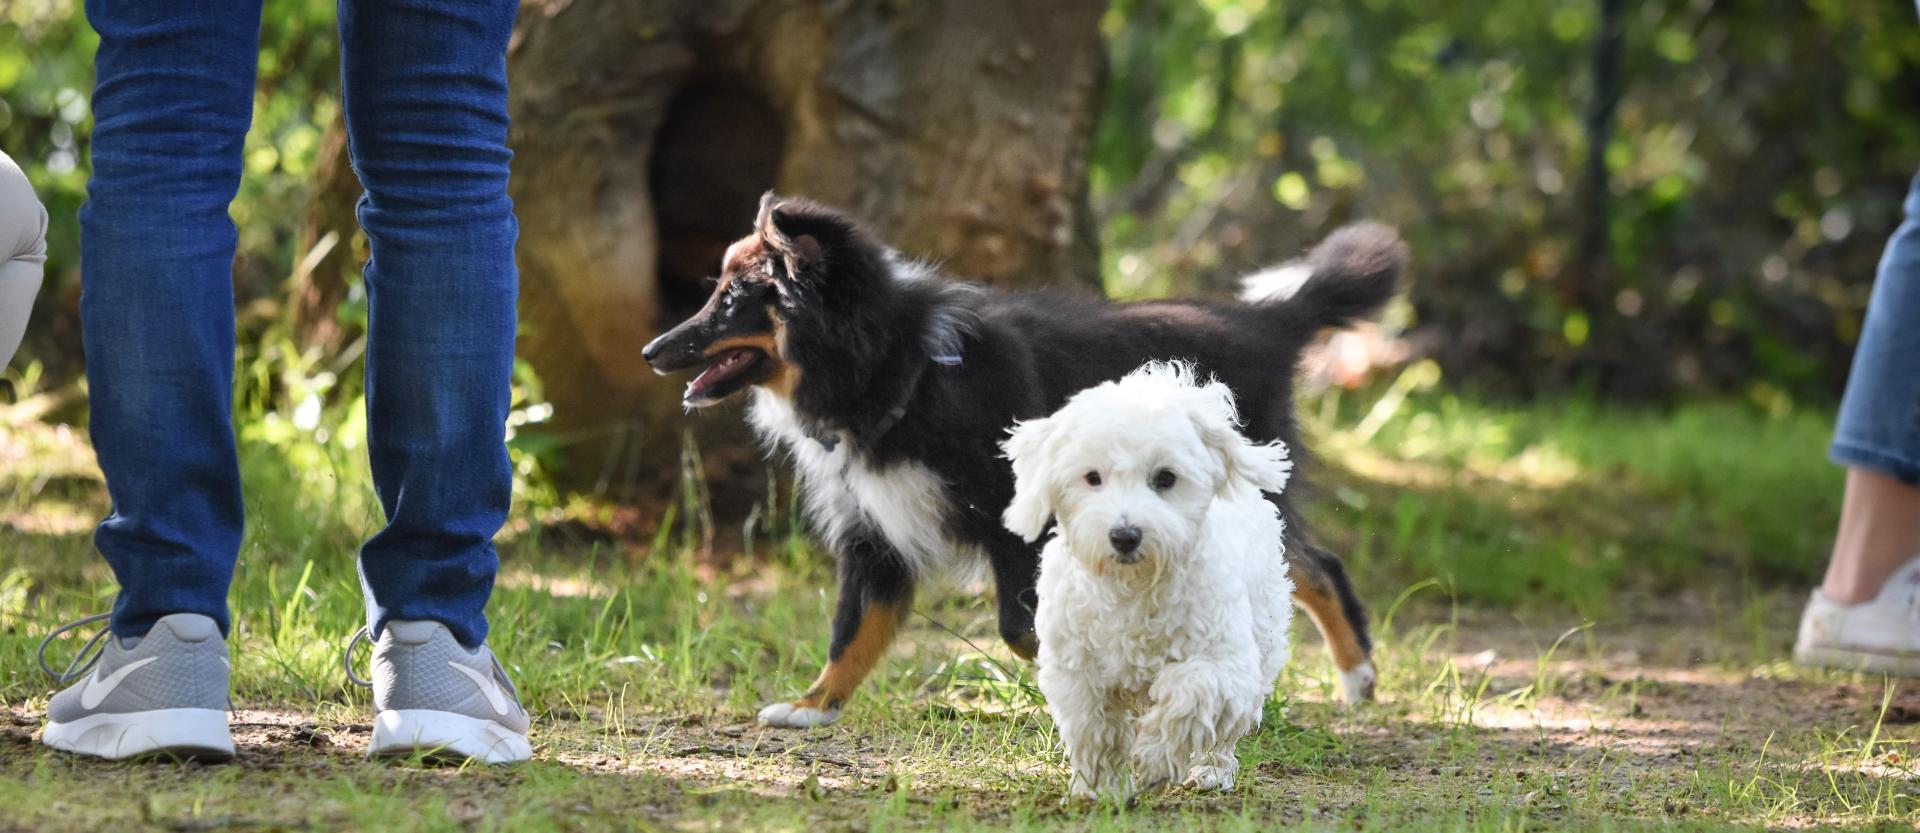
<point>365,635</point>
<point>84,661</point>
<point>346,657</point>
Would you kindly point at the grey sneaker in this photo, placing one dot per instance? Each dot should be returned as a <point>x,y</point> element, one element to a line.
<point>159,695</point>
<point>433,697</point>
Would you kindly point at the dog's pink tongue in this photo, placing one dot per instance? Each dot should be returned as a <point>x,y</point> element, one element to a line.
<point>698,384</point>
<point>702,382</point>
<point>714,372</point>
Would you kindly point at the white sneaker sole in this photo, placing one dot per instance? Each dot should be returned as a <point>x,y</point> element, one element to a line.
<point>1847,659</point>
<point>403,733</point>
<point>198,734</point>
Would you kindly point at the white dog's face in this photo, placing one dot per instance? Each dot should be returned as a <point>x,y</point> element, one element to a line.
<point>1129,468</point>
<point>1133,492</point>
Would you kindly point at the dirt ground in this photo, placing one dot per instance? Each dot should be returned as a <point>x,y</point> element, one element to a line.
<point>1630,722</point>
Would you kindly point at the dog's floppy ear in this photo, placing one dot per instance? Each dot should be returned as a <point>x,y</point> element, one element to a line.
<point>1030,447</point>
<point>1264,466</point>
<point>795,250</point>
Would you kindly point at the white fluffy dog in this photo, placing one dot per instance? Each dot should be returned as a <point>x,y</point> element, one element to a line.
<point>1164,597</point>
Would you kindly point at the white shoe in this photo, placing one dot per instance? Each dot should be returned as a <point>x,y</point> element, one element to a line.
<point>1881,636</point>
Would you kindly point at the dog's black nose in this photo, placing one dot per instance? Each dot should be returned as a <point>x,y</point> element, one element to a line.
<point>660,353</point>
<point>1125,539</point>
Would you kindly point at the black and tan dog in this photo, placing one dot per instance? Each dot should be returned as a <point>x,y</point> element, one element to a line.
<point>892,387</point>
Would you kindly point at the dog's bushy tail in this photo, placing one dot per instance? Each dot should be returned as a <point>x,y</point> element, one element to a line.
<point>1345,279</point>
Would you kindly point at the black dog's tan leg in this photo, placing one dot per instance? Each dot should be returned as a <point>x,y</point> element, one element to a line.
<point>853,656</point>
<point>876,591</point>
<point>1321,588</point>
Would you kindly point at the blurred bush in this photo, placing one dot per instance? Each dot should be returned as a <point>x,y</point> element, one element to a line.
<point>46,78</point>
<point>1756,165</point>
<point>1755,168</point>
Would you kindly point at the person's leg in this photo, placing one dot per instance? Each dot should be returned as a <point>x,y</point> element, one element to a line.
<point>1878,435</point>
<point>1866,614</point>
<point>1879,532</point>
<point>425,92</point>
<point>425,89</point>
<point>173,97</point>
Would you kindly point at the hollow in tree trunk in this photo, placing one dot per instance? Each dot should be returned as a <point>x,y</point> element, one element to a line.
<point>645,132</point>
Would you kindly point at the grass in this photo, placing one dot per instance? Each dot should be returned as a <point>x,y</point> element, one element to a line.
<point>1583,614</point>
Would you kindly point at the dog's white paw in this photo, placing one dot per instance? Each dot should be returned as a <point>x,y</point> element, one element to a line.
<point>1356,684</point>
<point>1210,779</point>
<point>792,716</point>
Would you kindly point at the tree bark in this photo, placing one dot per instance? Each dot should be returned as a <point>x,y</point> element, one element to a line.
<point>1589,275</point>
<point>645,132</point>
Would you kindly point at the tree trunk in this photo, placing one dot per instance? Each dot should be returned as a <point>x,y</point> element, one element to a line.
<point>1595,354</point>
<point>645,132</point>
<point>1588,284</point>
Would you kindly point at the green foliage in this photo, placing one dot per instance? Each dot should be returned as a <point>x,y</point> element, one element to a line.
<point>1572,502</point>
<point>46,79</point>
<point>1757,165</point>
<point>46,71</point>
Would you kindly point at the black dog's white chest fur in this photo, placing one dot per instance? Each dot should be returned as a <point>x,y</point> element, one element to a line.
<point>904,503</point>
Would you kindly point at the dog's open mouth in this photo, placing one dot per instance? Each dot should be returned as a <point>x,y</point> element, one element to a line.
<point>726,372</point>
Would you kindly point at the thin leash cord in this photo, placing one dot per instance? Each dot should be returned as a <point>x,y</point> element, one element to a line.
<point>1031,690</point>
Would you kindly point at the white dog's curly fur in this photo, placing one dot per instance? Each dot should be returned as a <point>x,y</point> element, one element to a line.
<point>1164,596</point>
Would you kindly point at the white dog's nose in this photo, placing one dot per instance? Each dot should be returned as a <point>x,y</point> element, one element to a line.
<point>1125,539</point>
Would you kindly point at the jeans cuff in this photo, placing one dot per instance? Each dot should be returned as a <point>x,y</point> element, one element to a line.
<point>1903,468</point>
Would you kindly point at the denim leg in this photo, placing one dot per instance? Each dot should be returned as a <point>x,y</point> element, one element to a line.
<point>172,100</point>
<point>425,92</point>
<point>1879,425</point>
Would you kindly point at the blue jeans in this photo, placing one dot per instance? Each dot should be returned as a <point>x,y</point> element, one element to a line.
<point>1879,427</point>
<point>425,94</point>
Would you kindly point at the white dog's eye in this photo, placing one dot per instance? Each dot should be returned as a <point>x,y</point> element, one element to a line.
<point>1164,480</point>
<point>1092,478</point>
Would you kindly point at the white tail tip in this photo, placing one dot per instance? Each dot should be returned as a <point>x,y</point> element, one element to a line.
<point>1276,284</point>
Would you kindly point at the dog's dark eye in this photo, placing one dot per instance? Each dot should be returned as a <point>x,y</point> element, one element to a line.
<point>1164,479</point>
<point>1092,478</point>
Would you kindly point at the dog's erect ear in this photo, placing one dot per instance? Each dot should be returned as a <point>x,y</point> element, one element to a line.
<point>796,250</point>
<point>1264,466</point>
<point>1030,447</point>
